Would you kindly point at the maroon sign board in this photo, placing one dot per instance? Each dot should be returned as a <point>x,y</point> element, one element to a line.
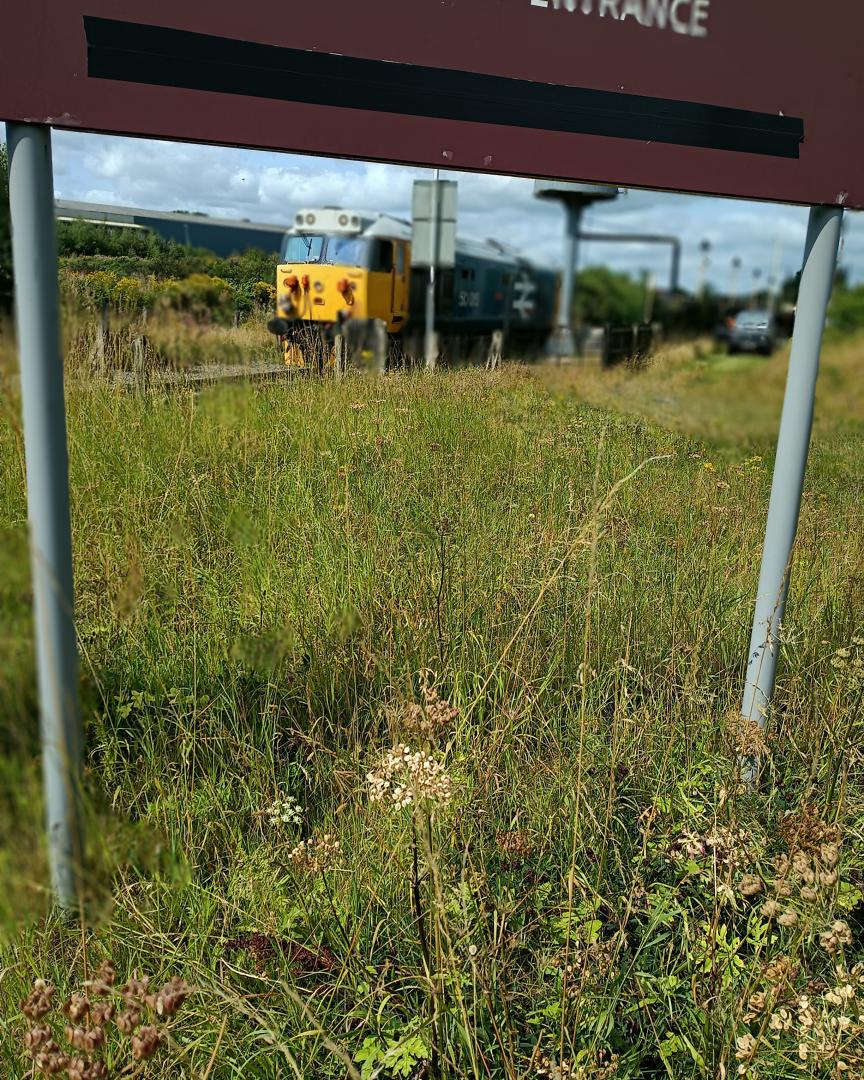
<point>750,98</point>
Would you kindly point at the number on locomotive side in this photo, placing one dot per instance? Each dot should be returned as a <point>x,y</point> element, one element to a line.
<point>469,299</point>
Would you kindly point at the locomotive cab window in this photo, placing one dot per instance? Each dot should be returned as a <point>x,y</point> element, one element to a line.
<point>347,251</point>
<point>381,256</point>
<point>303,249</point>
<point>400,258</point>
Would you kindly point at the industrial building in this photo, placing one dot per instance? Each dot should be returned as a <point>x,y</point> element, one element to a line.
<point>222,236</point>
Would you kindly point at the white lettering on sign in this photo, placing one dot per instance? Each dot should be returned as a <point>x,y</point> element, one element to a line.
<point>687,17</point>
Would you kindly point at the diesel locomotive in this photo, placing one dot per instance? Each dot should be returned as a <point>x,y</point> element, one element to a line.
<point>341,270</point>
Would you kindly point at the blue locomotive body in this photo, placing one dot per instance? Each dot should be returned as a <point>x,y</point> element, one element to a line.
<point>489,289</point>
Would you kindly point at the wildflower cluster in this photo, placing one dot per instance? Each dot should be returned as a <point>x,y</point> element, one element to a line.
<point>516,846</point>
<point>823,1028</point>
<point>799,886</point>
<point>588,963</point>
<point>724,845</point>
<point>316,854</point>
<point>804,828</point>
<point>285,810</point>
<point>596,1065</point>
<point>434,718</point>
<point>746,736</point>
<point>134,1010</point>
<point>404,777</point>
<point>547,1069</point>
<point>849,664</point>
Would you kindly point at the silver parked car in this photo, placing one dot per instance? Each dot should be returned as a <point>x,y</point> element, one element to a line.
<point>753,331</point>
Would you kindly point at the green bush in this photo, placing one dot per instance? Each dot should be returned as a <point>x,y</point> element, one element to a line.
<point>89,238</point>
<point>95,260</point>
<point>198,296</point>
<point>603,296</point>
<point>846,315</point>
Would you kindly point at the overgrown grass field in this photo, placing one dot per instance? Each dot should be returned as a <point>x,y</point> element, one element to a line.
<point>547,600</point>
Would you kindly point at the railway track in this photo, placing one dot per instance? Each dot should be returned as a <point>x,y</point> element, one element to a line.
<point>205,375</point>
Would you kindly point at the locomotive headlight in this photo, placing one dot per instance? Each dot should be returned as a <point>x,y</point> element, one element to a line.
<point>319,286</point>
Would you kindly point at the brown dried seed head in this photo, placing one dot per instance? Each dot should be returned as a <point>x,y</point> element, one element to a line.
<point>750,885</point>
<point>145,1043</point>
<point>87,1069</point>
<point>830,855</point>
<point>788,919</point>
<point>102,982</point>
<point>135,990</point>
<point>172,995</point>
<point>829,942</point>
<point>128,1020</point>
<point>100,1013</point>
<point>842,932</point>
<point>771,909</point>
<point>76,1007</point>
<point>780,970</point>
<point>36,1037</point>
<point>88,1039</point>
<point>38,1002</point>
<point>809,895</point>
<point>77,1069</point>
<point>50,1059</point>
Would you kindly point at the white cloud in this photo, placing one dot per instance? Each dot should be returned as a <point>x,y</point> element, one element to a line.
<point>270,187</point>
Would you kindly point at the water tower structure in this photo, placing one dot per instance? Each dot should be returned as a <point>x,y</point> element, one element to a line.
<point>575,198</point>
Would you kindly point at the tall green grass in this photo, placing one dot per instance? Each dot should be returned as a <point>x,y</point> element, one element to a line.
<point>266,581</point>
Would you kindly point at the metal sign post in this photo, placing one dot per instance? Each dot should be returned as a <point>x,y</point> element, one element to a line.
<point>34,252</point>
<point>817,279</point>
<point>431,349</point>
<point>433,244</point>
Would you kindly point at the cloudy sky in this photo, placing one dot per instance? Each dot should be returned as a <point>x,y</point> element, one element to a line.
<point>270,187</point>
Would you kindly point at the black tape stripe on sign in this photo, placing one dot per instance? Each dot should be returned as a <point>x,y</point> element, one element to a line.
<point>159,56</point>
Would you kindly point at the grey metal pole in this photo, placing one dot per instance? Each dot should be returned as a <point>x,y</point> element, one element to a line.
<point>675,282</point>
<point>431,344</point>
<point>34,251</point>
<point>817,279</point>
<point>565,344</point>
